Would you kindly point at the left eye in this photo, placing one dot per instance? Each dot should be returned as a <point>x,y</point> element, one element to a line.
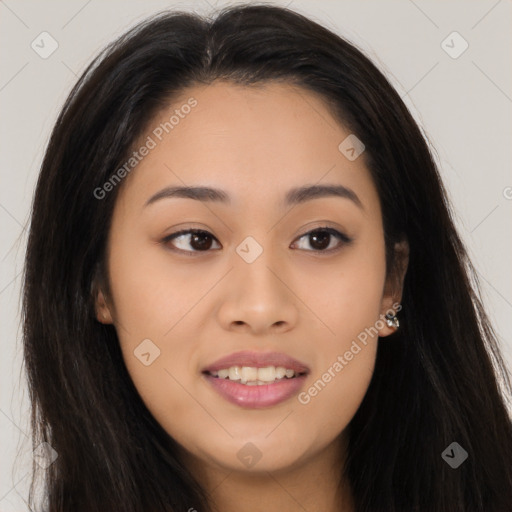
<point>201,241</point>
<point>321,239</point>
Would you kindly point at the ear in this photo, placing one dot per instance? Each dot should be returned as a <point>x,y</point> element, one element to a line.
<point>102,310</point>
<point>393,287</point>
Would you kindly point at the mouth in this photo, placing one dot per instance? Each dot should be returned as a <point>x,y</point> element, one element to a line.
<point>254,376</point>
<point>256,380</point>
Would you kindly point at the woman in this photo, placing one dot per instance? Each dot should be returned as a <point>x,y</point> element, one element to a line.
<point>244,289</point>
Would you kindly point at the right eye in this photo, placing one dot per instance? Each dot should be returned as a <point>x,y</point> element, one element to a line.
<point>198,239</point>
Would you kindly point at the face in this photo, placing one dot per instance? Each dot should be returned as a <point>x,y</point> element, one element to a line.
<point>270,281</point>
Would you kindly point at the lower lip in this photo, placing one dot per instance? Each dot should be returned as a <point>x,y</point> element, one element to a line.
<point>256,397</point>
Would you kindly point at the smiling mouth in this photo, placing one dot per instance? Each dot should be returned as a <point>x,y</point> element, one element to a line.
<point>255,376</point>
<point>256,387</point>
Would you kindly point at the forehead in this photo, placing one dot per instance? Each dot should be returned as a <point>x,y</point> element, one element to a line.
<point>255,142</point>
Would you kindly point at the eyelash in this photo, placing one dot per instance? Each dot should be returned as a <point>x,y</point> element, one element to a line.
<point>344,239</point>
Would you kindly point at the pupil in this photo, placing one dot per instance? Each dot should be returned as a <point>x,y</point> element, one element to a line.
<point>324,239</point>
<point>200,245</point>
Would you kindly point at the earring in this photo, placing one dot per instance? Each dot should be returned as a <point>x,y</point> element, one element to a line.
<point>392,320</point>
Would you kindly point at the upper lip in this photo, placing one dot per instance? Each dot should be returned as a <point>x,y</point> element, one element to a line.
<point>257,360</point>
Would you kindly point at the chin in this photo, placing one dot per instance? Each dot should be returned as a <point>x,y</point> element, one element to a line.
<point>254,454</point>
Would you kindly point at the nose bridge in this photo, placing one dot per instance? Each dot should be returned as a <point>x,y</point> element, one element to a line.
<point>256,264</point>
<point>258,295</point>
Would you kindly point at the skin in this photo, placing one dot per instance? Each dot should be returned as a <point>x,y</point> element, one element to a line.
<point>255,143</point>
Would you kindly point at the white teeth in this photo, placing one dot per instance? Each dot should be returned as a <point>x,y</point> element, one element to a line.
<point>252,376</point>
<point>267,374</point>
<point>222,374</point>
<point>248,373</point>
<point>280,372</point>
<point>234,373</point>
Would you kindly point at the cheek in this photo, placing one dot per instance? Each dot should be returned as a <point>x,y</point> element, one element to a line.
<point>347,293</point>
<point>349,304</point>
<point>150,295</point>
<point>151,305</point>
<point>335,391</point>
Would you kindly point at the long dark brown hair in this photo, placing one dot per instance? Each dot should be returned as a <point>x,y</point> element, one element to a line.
<point>436,382</point>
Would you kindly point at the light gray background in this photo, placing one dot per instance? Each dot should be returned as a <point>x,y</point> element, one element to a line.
<point>464,106</point>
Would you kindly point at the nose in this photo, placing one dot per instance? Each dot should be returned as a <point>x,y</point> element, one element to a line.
<point>258,297</point>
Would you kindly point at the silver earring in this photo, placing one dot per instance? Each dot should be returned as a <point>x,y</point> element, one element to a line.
<point>392,320</point>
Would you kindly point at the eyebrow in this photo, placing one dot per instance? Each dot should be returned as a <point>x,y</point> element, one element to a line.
<point>294,196</point>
